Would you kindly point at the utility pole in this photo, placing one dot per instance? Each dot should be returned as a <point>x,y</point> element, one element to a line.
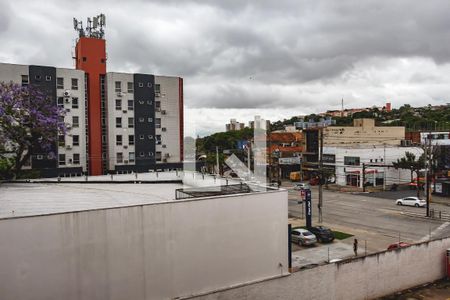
<point>217,160</point>
<point>364,177</point>
<point>384,169</point>
<point>321,175</point>
<point>428,171</point>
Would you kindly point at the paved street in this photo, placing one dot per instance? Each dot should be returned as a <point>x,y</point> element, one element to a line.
<point>376,222</point>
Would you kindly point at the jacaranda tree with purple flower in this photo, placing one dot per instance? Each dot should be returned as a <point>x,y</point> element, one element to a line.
<point>29,123</point>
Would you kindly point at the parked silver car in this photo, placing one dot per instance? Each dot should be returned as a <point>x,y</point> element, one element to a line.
<point>303,237</point>
<point>411,201</point>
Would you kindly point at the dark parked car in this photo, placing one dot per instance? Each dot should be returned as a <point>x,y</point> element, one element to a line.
<point>323,234</point>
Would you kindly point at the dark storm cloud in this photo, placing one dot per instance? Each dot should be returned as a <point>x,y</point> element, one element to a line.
<point>255,54</point>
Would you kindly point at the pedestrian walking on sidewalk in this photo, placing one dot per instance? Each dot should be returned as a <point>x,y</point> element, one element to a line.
<point>355,247</point>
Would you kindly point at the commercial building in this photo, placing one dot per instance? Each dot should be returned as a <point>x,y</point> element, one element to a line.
<point>346,148</point>
<point>369,165</point>
<point>117,122</point>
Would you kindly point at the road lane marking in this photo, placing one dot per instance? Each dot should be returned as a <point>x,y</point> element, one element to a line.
<point>434,232</point>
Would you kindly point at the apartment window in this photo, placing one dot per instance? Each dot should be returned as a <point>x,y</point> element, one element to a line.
<point>351,160</point>
<point>60,102</point>
<point>25,80</point>
<point>149,84</point>
<point>141,154</point>
<point>76,140</point>
<point>118,122</point>
<point>130,104</point>
<point>103,121</point>
<point>141,102</point>
<point>157,88</point>
<point>157,105</point>
<point>37,77</point>
<point>61,119</point>
<point>61,140</point>
<point>74,102</point>
<point>102,60</point>
<point>141,120</point>
<point>141,84</point>
<point>118,140</point>
<point>118,104</point>
<point>119,157</point>
<point>118,87</point>
<point>75,121</point>
<point>84,58</point>
<point>141,137</point>
<point>48,78</point>
<point>130,122</point>
<point>131,140</point>
<point>74,84</point>
<point>103,138</point>
<point>158,139</point>
<point>158,122</point>
<point>150,137</point>
<point>149,102</point>
<point>158,156</point>
<point>61,159</point>
<point>131,156</point>
<point>130,87</point>
<point>150,154</point>
<point>150,120</point>
<point>59,83</point>
<point>76,158</point>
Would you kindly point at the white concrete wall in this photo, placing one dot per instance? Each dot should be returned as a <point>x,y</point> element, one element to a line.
<point>362,278</point>
<point>12,72</point>
<point>124,113</point>
<point>171,120</point>
<point>157,251</point>
<point>69,149</point>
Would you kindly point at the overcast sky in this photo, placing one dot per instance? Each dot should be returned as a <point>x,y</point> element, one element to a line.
<point>240,58</point>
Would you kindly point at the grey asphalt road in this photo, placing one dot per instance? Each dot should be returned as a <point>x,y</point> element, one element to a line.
<point>376,220</point>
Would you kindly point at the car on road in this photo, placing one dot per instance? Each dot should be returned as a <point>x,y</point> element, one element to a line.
<point>303,237</point>
<point>411,201</point>
<point>398,245</point>
<point>323,234</point>
<point>302,186</point>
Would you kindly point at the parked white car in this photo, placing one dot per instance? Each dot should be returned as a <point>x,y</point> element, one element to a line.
<point>303,237</point>
<point>411,201</point>
<point>302,186</point>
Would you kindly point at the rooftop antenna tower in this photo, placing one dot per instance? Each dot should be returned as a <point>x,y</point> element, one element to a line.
<point>94,27</point>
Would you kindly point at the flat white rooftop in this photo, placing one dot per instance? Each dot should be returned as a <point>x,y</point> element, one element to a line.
<point>31,199</point>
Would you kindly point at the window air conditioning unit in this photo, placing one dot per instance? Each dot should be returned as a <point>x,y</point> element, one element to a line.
<point>166,155</point>
<point>68,147</point>
<point>163,129</point>
<point>119,94</point>
<point>124,111</point>
<point>157,94</point>
<point>125,147</point>
<point>66,93</point>
<point>68,126</point>
<point>125,161</point>
<point>70,161</point>
<point>158,109</point>
<point>163,112</point>
<point>67,109</point>
<point>164,146</point>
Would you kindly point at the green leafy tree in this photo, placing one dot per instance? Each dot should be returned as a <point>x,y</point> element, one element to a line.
<point>412,163</point>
